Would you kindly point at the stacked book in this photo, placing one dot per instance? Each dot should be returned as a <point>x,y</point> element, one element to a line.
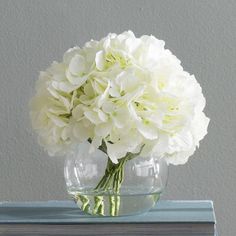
<point>63,218</point>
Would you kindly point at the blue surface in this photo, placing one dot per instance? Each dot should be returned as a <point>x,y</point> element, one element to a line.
<point>59,212</point>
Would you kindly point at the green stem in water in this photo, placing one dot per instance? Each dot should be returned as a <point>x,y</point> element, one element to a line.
<point>119,181</point>
<point>85,202</point>
<point>113,178</point>
<point>99,205</point>
<point>112,181</point>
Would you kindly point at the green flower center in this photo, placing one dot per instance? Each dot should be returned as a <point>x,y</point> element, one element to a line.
<point>112,59</point>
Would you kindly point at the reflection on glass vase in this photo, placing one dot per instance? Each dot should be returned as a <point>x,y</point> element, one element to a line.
<point>100,187</point>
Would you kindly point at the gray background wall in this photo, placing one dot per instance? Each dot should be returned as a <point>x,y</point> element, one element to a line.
<point>201,33</point>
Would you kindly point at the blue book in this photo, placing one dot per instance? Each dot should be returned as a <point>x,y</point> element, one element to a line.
<point>63,218</point>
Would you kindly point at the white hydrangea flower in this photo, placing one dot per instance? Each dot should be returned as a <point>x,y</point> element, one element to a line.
<point>128,92</point>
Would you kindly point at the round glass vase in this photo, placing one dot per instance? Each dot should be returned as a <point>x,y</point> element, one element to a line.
<point>141,181</point>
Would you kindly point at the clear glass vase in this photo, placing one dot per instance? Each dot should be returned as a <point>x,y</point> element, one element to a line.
<point>138,188</point>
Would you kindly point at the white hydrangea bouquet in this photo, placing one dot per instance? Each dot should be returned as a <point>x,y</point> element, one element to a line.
<point>126,96</point>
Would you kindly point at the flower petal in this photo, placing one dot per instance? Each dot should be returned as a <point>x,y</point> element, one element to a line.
<point>100,60</point>
<point>96,143</point>
<point>148,131</point>
<point>93,117</point>
<point>81,132</point>
<point>103,129</point>
<point>77,65</point>
<point>76,80</point>
<point>115,151</point>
